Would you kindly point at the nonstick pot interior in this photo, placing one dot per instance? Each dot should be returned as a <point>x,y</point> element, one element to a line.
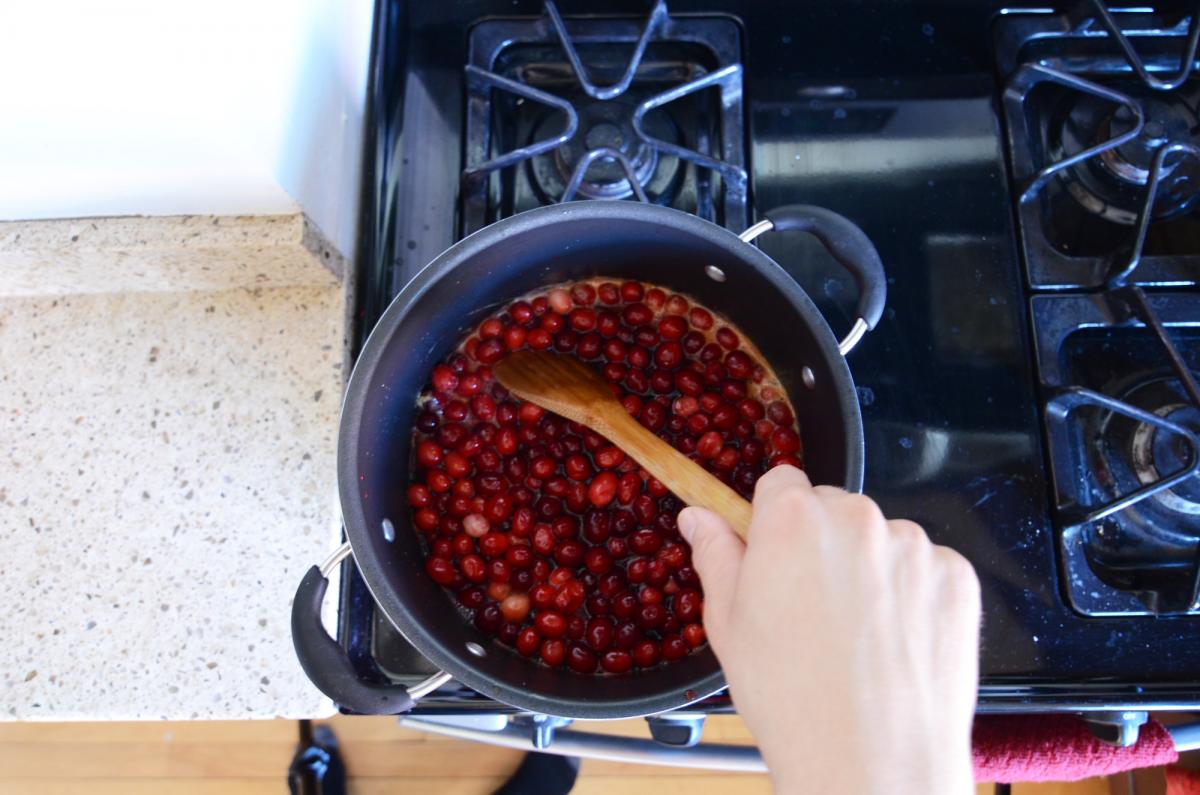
<point>618,240</point>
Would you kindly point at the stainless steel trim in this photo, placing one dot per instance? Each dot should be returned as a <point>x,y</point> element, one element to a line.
<point>860,326</point>
<point>1186,736</point>
<point>334,560</point>
<point>424,688</point>
<point>568,742</point>
<point>765,225</point>
<point>850,340</point>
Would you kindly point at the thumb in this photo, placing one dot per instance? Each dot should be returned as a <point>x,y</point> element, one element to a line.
<point>717,557</point>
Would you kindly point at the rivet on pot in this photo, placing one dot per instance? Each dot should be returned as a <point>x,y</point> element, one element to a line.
<point>714,273</point>
<point>389,531</point>
<point>806,375</point>
<point>476,649</point>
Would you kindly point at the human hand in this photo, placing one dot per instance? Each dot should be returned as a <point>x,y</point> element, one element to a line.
<point>850,642</point>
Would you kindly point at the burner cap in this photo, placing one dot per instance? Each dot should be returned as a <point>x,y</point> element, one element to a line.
<point>608,124</point>
<point>1157,452</point>
<point>1112,184</point>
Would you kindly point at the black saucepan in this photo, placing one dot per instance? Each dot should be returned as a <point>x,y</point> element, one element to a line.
<point>561,243</point>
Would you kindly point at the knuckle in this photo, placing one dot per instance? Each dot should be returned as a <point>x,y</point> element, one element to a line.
<point>958,575</point>
<point>907,531</point>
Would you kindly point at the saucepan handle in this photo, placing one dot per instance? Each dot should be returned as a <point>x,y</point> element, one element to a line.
<point>849,245</point>
<point>325,662</point>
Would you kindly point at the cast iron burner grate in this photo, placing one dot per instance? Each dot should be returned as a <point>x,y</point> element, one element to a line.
<point>565,109</point>
<point>1103,148</point>
<point>1106,167</point>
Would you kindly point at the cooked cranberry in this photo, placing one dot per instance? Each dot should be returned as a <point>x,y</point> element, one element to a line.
<point>581,659</point>
<point>599,633</point>
<point>616,662</point>
<point>553,651</point>
<point>650,616</point>
<point>560,300</point>
<point>550,624</point>
<point>539,339</point>
<point>569,553</point>
<point>429,454</point>
<point>784,441</point>
<point>637,314</point>
<point>645,653</point>
<point>583,320</point>
<point>489,619</point>
<point>603,489</point>
<point>440,570</point>
<point>528,641</point>
<point>589,346</point>
<point>627,636</point>
<point>693,635</point>
<point>609,293</point>
<point>673,648</point>
<point>779,413</point>
<point>669,355</point>
<point>784,458</point>
<point>515,607</point>
<point>636,381</point>
<point>577,467</point>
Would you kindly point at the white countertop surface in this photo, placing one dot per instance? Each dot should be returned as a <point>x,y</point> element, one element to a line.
<point>166,478</point>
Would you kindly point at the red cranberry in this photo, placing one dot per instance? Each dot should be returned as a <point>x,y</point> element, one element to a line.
<point>673,648</point>
<point>603,489</point>
<point>550,624</point>
<point>785,441</point>
<point>440,570</point>
<point>693,635</point>
<point>645,653</point>
<point>609,293</point>
<point>553,651</point>
<point>528,641</point>
<point>669,355</point>
<point>616,662</point>
<point>599,633</point>
<point>672,327</point>
<point>539,339</point>
<point>569,553</point>
<point>637,314</point>
<point>583,294</point>
<point>779,413</point>
<point>581,659</point>
<point>489,619</point>
<point>650,616</point>
<point>627,636</point>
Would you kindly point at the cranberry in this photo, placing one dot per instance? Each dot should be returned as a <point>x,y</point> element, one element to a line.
<point>550,624</point>
<point>645,653</point>
<point>528,641</point>
<point>650,616</point>
<point>609,293</point>
<point>779,413</point>
<point>785,441</point>
<point>637,314</point>
<point>589,346</point>
<point>569,553</point>
<point>688,605</point>
<point>553,651</point>
<point>693,635</point>
<point>673,648</point>
<point>627,635</point>
<point>581,659</point>
<point>603,489</point>
<point>669,355</point>
<point>597,560</point>
<point>616,662</point>
<point>599,633</point>
<point>560,300</point>
<point>429,454</point>
<point>440,570</point>
<point>515,607</point>
<point>489,619</point>
<point>672,327</point>
<point>539,339</point>
<point>577,467</point>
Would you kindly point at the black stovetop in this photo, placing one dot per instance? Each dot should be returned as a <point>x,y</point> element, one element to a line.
<point>891,114</point>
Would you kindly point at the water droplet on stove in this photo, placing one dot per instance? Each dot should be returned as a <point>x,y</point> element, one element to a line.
<point>927,29</point>
<point>839,113</point>
<point>906,442</point>
<point>786,39</point>
<point>1035,638</point>
<point>866,395</point>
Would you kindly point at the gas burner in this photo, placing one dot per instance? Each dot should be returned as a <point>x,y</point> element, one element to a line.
<point>607,126</point>
<point>605,108</point>
<point>1112,184</point>
<point>1087,120</point>
<point>1123,435</point>
<point>1129,453</point>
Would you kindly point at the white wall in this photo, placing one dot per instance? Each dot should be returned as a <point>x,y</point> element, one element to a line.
<point>162,107</point>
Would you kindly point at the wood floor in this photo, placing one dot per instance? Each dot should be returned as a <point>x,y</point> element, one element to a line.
<point>241,758</point>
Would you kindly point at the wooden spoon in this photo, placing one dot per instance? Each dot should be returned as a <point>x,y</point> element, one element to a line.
<point>571,389</point>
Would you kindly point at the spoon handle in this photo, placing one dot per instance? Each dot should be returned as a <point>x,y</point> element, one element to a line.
<point>688,480</point>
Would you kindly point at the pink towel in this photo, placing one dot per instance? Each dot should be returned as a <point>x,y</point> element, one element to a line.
<point>1011,748</point>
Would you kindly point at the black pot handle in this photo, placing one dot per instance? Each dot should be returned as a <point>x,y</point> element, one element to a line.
<point>326,663</point>
<point>849,245</point>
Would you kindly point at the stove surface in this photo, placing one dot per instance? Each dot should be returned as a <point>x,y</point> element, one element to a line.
<point>897,122</point>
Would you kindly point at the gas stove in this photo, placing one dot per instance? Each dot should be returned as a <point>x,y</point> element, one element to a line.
<point>1029,177</point>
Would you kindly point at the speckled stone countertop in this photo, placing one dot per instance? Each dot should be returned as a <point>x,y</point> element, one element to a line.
<point>166,477</point>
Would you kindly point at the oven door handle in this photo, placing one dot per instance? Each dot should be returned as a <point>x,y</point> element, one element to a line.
<point>586,745</point>
<point>325,661</point>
